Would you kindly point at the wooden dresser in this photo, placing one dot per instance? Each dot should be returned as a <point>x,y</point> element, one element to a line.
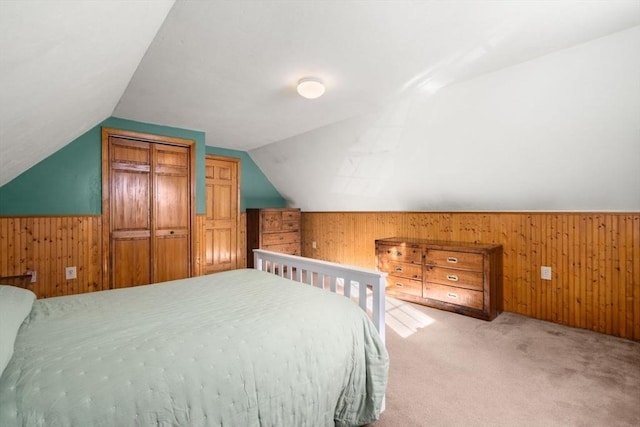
<point>273,229</point>
<point>462,277</point>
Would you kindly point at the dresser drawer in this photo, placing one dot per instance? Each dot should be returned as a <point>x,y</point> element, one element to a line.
<point>453,295</point>
<point>290,225</point>
<point>291,215</point>
<point>271,221</point>
<point>450,259</point>
<point>402,269</point>
<point>400,254</point>
<point>402,285</point>
<point>280,221</point>
<point>284,248</point>
<point>278,238</point>
<point>459,278</point>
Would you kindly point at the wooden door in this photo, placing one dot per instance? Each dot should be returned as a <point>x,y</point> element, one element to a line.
<point>171,213</point>
<point>221,222</point>
<point>148,208</point>
<point>130,212</point>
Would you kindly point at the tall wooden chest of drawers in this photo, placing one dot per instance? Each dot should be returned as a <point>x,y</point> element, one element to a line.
<point>273,229</point>
<point>462,277</point>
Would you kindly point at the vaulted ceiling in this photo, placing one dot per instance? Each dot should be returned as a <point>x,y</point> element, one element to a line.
<point>229,68</point>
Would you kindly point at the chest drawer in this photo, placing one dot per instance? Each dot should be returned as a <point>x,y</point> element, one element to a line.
<point>402,269</point>
<point>292,248</point>
<point>402,285</point>
<point>458,260</point>
<point>400,254</point>
<point>278,238</point>
<point>450,294</point>
<point>293,215</point>
<point>451,277</point>
<point>271,221</point>
<point>290,225</point>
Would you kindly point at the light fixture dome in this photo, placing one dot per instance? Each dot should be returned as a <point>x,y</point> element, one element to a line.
<point>310,87</point>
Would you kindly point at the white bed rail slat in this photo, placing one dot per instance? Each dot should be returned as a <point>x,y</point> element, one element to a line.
<point>370,284</point>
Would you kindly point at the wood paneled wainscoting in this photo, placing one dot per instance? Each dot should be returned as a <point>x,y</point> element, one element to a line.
<point>595,257</point>
<point>47,245</point>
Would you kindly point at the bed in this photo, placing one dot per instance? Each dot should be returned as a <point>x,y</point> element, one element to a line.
<point>240,348</point>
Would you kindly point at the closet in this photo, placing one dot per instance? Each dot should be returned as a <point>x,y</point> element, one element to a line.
<point>148,208</point>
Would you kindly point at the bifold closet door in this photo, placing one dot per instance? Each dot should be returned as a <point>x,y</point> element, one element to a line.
<point>130,206</point>
<point>150,226</point>
<point>171,212</point>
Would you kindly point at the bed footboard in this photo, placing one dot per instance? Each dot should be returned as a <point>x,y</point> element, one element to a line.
<point>366,287</point>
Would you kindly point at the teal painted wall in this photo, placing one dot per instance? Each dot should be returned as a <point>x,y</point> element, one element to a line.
<point>69,182</point>
<point>66,183</point>
<point>256,191</point>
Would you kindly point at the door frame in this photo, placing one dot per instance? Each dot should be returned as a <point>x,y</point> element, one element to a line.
<point>106,188</point>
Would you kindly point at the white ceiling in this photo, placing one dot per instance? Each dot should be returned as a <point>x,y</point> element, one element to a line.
<point>558,133</point>
<point>229,68</point>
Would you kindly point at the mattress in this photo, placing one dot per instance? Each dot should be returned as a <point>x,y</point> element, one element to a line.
<point>239,348</point>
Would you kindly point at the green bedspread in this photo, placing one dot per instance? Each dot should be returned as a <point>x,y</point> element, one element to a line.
<point>240,348</point>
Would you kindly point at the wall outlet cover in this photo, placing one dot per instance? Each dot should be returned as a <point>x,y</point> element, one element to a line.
<point>70,273</point>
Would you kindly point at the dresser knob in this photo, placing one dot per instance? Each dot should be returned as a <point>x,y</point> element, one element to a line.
<point>399,284</point>
<point>452,260</point>
<point>452,295</point>
<point>398,269</point>
<point>452,277</point>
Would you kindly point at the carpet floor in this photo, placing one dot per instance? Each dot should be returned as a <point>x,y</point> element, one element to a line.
<point>451,370</point>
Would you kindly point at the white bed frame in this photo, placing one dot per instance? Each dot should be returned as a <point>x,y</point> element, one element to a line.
<point>338,278</point>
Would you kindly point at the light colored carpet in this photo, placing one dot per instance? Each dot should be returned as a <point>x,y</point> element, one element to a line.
<point>451,370</point>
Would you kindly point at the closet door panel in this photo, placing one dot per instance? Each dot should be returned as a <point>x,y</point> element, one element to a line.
<point>127,151</point>
<point>131,262</point>
<point>171,214</point>
<point>130,213</point>
<point>130,197</point>
<point>171,202</point>
<point>170,253</point>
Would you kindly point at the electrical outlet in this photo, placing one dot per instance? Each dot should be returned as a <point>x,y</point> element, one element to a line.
<point>70,273</point>
<point>545,272</point>
<point>313,244</point>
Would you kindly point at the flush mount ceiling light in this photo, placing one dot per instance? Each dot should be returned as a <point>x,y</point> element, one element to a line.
<point>310,87</point>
